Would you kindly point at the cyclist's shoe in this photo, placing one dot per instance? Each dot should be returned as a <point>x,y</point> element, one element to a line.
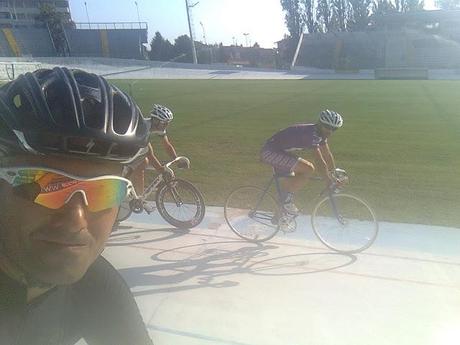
<point>148,207</point>
<point>291,209</point>
<point>136,205</point>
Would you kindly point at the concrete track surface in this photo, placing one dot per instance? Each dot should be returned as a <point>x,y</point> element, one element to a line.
<point>207,286</point>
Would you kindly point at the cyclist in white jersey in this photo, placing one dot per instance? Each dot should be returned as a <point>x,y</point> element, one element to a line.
<point>161,117</point>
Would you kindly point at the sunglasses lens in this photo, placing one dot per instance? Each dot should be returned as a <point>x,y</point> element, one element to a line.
<point>104,194</point>
<point>53,190</point>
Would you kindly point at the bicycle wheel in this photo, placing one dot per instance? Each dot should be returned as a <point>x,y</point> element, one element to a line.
<point>345,224</point>
<point>124,212</point>
<point>181,204</point>
<point>252,214</point>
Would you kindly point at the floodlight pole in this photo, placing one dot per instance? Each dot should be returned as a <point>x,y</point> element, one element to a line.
<point>195,60</point>
<point>87,15</point>
<point>296,54</point>
<point>246,34</point>
<point>138,16</point>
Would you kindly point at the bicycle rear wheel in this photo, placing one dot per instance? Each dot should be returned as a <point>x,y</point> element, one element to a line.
<point>344,223</point>
<point>251,214</point>
<point>181,204</point>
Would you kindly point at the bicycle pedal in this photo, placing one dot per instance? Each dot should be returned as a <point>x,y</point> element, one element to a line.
<point>287,224</point>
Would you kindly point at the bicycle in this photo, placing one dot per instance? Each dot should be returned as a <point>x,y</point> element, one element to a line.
<point>178,201</point>
<point>341,221</point>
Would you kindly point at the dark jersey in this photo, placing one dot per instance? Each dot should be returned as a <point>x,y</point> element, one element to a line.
<point>99,308</point>
<point>297,137</point>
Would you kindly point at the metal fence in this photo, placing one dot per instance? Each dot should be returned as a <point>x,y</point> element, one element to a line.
<point>112,26</point>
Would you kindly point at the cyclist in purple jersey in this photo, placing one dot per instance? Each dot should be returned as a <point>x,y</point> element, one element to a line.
<point>277,152</point>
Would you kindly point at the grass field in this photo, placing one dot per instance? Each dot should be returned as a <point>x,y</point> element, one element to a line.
<point>400,142</point>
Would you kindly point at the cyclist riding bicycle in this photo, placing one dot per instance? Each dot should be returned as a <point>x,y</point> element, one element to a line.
<point>161,117</point>
<point>277,152</point>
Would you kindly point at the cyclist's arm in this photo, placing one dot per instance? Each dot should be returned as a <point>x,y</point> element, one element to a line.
<point>153,160</point>
<point>328,157</point>
<point>169,147</point>
<point>321,164</point>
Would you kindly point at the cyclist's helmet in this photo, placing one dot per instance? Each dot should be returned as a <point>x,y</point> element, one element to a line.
<point>161,113</point>
<point>70,112</point>
<point>331,118</point>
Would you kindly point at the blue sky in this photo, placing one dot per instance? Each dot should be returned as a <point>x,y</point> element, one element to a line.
<point>223,20</point>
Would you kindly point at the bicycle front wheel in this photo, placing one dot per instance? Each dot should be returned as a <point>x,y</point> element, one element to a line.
<point>181,204</point>
<point>344,223</point>
<point>251,213</point>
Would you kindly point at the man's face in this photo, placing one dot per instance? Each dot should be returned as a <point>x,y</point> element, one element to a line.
<point>325,130</point>
<point>159,126</point>
<point>54,246</point>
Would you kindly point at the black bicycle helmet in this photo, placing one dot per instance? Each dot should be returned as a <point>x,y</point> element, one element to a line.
<point>71,112</point>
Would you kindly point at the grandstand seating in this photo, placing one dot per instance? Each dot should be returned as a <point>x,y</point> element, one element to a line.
<point>34,42</point>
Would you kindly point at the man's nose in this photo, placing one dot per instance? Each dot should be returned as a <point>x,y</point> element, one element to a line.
<point>73,215</point>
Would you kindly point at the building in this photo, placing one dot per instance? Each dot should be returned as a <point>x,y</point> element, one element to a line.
<point>22,13</point>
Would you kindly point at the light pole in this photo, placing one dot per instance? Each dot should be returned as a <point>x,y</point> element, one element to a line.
<point>206,43</point>
<point>195,60</point>
<point>138,17</point>
<point>246,34</point>
<point>87,15</point>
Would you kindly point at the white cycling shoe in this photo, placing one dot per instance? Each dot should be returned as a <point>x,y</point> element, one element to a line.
<point>290,208</point>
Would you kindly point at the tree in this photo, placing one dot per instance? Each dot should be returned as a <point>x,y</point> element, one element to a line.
<point>339,14</point>
<point>409,5</point>
<point>256,45</point>
<point>182,49</point>
<point>383,7</point>
<point>160,49</point>
<point>293,18</point>
<point>324,15</point>
<point>56,21</point>
<point>448,4</point>
<point>309,16</point>
<point>359,14</point>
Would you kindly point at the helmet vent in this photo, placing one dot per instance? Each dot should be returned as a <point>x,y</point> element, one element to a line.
<point>122,118</point>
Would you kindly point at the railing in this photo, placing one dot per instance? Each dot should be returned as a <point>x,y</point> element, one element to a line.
<point>111,26</point>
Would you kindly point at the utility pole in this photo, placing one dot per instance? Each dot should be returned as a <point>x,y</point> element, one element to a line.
<point>192,39</point>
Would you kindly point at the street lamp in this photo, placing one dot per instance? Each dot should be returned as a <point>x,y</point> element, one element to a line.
<point>87,15</point>
<point>138,17</point>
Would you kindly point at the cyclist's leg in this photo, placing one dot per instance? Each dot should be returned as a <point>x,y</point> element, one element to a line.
<point>137,176</point>
<point>303,170</point>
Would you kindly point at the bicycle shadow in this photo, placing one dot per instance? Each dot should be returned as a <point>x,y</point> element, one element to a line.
<point>218,264</point>
<point>143,236</point>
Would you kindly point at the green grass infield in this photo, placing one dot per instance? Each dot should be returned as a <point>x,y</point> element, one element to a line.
<point>400,142</point>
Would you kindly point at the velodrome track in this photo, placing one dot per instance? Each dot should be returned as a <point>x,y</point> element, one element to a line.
<point>206,286</point>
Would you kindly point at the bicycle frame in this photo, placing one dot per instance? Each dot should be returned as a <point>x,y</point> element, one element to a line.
<point>153,186</point>
<point>330,191</point>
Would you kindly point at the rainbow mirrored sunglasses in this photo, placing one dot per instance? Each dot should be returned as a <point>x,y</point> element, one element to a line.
<point>54,188</point>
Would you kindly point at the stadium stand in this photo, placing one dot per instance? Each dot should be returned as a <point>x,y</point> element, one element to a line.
<point>5,49</point>
<point>34,41</point>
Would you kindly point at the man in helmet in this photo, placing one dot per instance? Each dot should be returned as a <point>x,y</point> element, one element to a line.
<point>278,152</point>
<point>65,136</point>
<point>161,117</point>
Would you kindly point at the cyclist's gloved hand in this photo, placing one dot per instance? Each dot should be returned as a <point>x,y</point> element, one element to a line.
<point>167,173</point>
<point>183,163</point>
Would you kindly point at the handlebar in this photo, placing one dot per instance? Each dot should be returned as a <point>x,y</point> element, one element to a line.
<point>174,161</point>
